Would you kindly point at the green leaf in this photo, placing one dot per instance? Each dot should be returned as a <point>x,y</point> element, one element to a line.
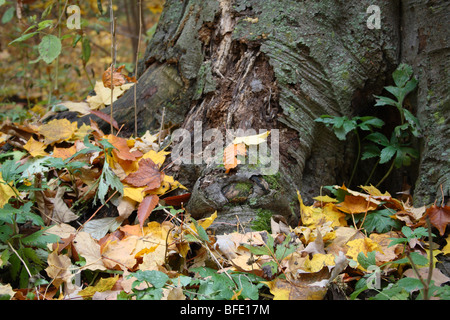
<point>413,122</point>
<point>370,151</point>
<point>378,138</point>
<point>402,74</point>
<point>410,284</point>
<point>200,231</point>
<point>416,258</point>
<point>157,278</point>
<point>49,48</point>
<point>85,50</point>
<point>380,221</point>
<point>40,239</point>
<point>364,261</point>
<point>23,37</point>
<point>387,154</point>
<point>8,15</point>
<point>368,122</point>
<point>385,101</point>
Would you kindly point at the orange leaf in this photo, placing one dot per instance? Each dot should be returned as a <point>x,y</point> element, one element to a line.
<point>146,207</point>
<point>117,78</point>
<point>230,155</point>
<point>439,217</point>
<point>147,175</point>
<point>356,204</point>
<point>64,153</point>
<point>122,150</point>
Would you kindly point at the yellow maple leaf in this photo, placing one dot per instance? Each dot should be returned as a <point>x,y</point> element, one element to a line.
<point>332,214</point>
<point>318,261</point>
<point>156,157</point>
<point>363,245</point>
<point>103,95</point>
<point>310,215</point>
<point>57,130</point>
<point>135,194</point>
<point>35,148</point>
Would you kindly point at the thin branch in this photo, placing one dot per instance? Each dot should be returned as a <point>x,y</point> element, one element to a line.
<point>136,67</point>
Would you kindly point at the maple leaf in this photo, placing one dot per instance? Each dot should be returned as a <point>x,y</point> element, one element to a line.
<point>439,217</point>
<point>103,95</point>
<point>35,148</point>
<point>356,204</point>
<point>148,175</point>
<point>64,153</point>
<point>57,130</point>
<point>59,270</point>
<point>230,155</point>
<point>146,207</point>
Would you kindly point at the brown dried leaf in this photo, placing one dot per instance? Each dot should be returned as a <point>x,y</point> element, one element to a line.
<point>146,207</point>
<point>147,175</point>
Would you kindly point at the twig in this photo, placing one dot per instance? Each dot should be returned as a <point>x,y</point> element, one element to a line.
<point>25,265</point>
<point>113,55</point>
<point>96,211</point>
<point>136,67</point>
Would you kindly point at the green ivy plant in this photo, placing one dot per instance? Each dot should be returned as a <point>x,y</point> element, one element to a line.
<point>396,149</point>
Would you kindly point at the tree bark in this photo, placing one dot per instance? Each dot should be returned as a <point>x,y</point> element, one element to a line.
<point>251,64</point>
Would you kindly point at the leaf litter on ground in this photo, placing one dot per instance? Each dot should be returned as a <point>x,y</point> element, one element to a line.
<point>341,239</point>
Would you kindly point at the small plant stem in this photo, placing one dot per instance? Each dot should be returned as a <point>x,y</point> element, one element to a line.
<point>113,56</point>
<point>357,158</point>
<point>136,67</point>
<point>387,174</point>
<point>372,172</point>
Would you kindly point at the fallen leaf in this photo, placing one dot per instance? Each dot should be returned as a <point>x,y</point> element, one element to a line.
<point>146,207</point>
<point>57,130</point>
<point>89,249</point>
<point>81,107</point>
<point>148,175</point>
<point>104,284</point>
<point>105,117</point>
<point>103,95</point>
<point>439,217</point>
<point>7,191</point>
<point>117,78</point>
<point>295,290</point>
<point>64,153</point>
<point>61,212</point>
<point>122,150</point>
<point>252,140</point>
<point>230,154</point>
<point>356,204</point>
<point>59,269</point>
<point>35,148</point>
<point>364,245</point>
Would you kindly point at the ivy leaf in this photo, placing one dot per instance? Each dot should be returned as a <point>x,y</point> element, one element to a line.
<point>380,221</point>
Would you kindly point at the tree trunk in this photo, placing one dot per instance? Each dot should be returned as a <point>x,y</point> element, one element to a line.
<point>251,64</point>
